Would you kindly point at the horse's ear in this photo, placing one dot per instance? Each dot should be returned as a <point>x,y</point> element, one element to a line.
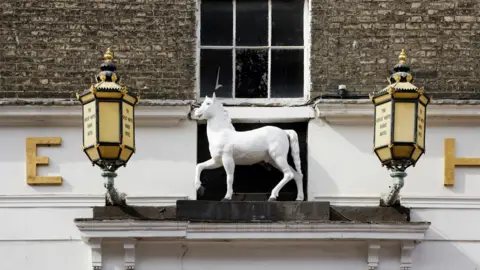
<point>213,97</point>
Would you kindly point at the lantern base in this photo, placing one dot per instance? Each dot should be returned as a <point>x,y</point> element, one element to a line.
<point>392,198</point>
<point>114,198</point>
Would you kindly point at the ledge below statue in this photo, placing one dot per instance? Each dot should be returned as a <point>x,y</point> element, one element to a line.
<point>214,211</point>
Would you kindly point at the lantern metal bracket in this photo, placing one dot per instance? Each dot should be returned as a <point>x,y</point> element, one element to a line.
<point>392,198</point>
<point>113,196</point>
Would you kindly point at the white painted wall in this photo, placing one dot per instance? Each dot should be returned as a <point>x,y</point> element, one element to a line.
<point>331,146</point>
<point>74,255</point>
<point>37,230</point>
<point>162,165</point>
<point>453,240</point>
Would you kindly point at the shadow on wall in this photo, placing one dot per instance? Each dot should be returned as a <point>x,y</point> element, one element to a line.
<point>445,255</point>
<point>442,252</point>
<point>320,181</point>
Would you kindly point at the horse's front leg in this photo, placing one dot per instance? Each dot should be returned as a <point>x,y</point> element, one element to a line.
<point>229,165</point>
<point>209,164</point>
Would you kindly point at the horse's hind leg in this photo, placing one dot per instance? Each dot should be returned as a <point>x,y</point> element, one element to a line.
<point>282,164</point>
<point>298,180</point>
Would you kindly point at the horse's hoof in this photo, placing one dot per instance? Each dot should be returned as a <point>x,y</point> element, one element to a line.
<point>299,200</point>
<point>200,191</point>
<point>225,200</point>
<point>272,199</point>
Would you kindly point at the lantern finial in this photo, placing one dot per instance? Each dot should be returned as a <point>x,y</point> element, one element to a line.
<point>402,57</point>
<point>108,56</point>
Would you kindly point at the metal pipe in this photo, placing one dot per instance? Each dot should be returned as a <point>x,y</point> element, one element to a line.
<point>392,198</point>
<point>113,196</point>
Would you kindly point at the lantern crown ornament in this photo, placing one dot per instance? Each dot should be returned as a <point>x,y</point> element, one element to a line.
<point>108,120</point>
<point>400,118</point>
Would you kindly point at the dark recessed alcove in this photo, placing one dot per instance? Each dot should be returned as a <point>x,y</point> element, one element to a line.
<point>254,181</point>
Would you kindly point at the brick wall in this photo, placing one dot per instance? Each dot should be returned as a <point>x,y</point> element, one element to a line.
<point>53,49</point>
<point>357,42</point>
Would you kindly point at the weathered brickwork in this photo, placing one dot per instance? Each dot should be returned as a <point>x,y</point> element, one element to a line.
<point>357,42</point>
<point>53,49</point>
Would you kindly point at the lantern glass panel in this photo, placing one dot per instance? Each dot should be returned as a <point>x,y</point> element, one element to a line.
<point>416,154</point>
<point>127,125</point>
<point>402,151</point>
<point>384,154</point>
<point>383,124</point>
<point>92,154</point>
<point>125,155</point>
<point>421,125</point>
<point>404,127</point>
<point>109,122</point>
<point>89,124</point>
<point>109,151</point>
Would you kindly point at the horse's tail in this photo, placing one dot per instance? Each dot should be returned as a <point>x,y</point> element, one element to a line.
<point>295,148</point>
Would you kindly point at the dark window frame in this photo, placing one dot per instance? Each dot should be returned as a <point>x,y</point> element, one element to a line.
<point>213,76</point>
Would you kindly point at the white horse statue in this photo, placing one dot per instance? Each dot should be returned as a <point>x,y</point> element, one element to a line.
<point>229,147</point>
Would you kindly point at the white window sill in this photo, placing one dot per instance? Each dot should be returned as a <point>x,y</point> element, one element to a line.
<point>267,114</point>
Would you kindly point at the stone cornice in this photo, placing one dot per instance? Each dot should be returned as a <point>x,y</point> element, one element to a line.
<point>37,112</point>
<point>130,232</point>
<point>360,112</point>
<point>37,115</point>
<point>157,230</point>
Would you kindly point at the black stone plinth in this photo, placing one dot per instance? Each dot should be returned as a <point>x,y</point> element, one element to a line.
<point>252,211</point>
<point>370,214</point>
<point>134,212</point>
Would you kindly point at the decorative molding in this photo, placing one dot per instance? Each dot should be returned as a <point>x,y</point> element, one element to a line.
<point>267,114</point>
<point>406,255</point>
<point>91,200</point>
<point>373,255</point>
<point>96,249</point>
<point>78,200</point>
<point>297,231</point>
<point>128,231</point>
<point>362,113</point>
<point>51,200</point>
<point>72,115</point>
<point>413,201</point>
<point>129,259</point>
<point>156,230</point>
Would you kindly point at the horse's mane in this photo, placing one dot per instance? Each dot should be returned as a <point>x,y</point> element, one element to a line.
<point>225,113</point>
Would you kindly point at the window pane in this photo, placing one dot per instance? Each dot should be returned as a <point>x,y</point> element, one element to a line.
<point>251,74</point>
<point>252,22</point>
<point>216,24</point>
<point>287,22</point>
<point>216,73</point>
<point>287,74</point>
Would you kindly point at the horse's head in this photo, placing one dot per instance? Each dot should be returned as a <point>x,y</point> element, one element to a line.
<point>209,108</point>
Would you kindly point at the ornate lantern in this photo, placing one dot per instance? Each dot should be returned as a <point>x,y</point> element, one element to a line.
<point>399,131</point>
<point>108,124</point>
